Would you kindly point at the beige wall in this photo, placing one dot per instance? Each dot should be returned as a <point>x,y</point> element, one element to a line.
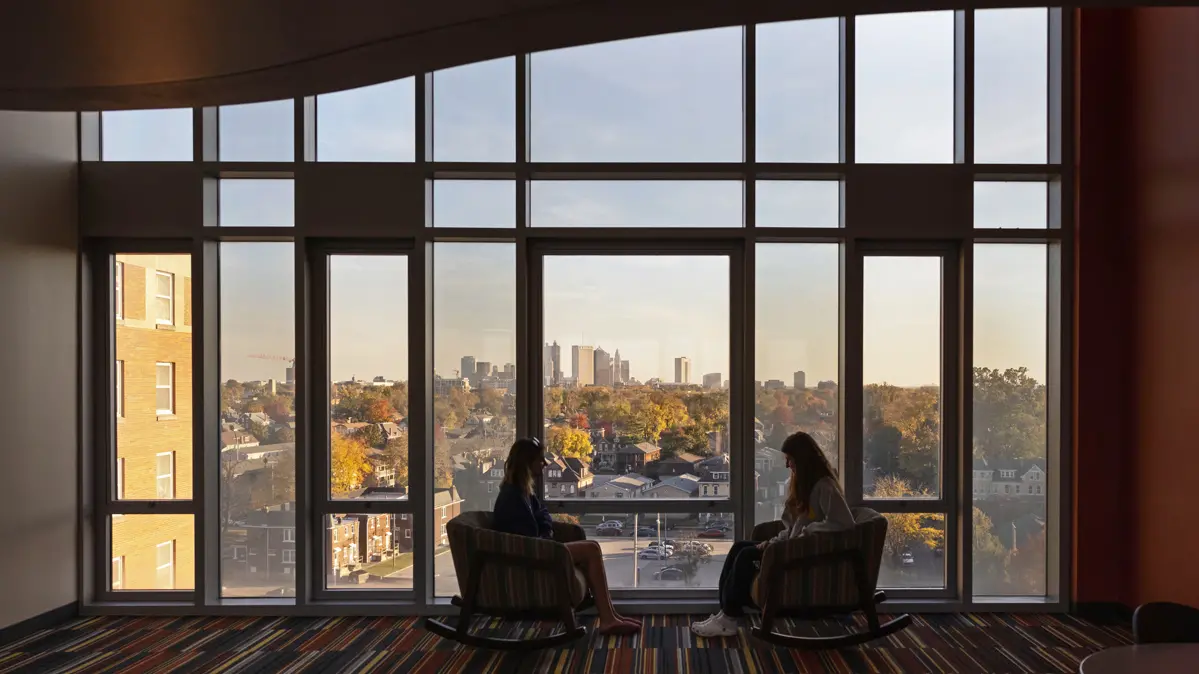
<point>38,448</point>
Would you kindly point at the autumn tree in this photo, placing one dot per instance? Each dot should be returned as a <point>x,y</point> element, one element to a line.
<point>378,411</point>
<point>396,455</point>
<point>370,435</point>
<point>1009,414</point>
<point>579,421</point>
<point>990,557</point>
<point>906,531</point>
<point>399,398</point>
<point>570,442</point>
<point>565,518</point>
<point>689,559</point>
<point>350,464</point>
<point>491,401</point>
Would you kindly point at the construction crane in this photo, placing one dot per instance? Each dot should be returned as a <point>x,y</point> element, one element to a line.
<point>291,362</point>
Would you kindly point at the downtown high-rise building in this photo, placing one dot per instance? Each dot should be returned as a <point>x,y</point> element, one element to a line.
<point>551,364</point>
<point>468,370</point>
<point>712,380</point>
<point>582,365</point>
<point>801,380</point>
<point>603,367</point>
<point>624,372</point>
<point>682,370</point>
<point>482,371</point>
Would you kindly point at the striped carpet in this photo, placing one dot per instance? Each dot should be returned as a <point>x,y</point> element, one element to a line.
<point>971,643</point>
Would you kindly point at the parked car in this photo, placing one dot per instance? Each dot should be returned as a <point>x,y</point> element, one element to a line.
<point>655,553</point>
<point>610,524</point>
<point>697,545</point>
<point>669,573</point>
<point>656,544</point>
<point>712,533</point>
<point>715,524</point>
<point>907,560</point>
<point>608,532</point>
<point>647,531</point>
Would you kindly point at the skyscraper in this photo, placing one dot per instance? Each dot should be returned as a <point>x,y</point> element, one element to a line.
<point>801,380</point>
<point>603,367</point>
<point>468,370</point>
<point>616,368</point>
<point>682,370</point>
<point>712,380</point>
<point>482,371</point>
<point>583,365</point>
<point>624,372</point>
<point>556,363</point>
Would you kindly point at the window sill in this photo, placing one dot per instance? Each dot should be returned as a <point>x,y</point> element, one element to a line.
<point>164,326</point>
<point>167,417</point>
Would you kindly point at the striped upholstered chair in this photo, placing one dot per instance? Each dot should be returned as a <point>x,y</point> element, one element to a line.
<point>510,576</point>
<point>817,575</point>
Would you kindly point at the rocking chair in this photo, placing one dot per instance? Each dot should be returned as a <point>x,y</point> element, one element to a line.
<point>823,574</point>
<point>513,577</point>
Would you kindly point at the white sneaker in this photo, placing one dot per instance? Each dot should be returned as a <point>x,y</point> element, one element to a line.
<point>717,626</point>
<point>708,619</point>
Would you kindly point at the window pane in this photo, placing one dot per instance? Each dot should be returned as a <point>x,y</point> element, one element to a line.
<point>162,310</point>
<point>474,203</point>
<point>474,112</point>
<point>474,333</point>
<point>664,98</point>
<point>901,368</point>
<point>1014,205</point>
<point>631,410</point>
<point>165,284</point>
<point>695,548</point>
<point>1010,480</point>
<point>367,552</point>
<point>798,203</point>
<point>799,91</point>
<point>904,88</point>
<point>257,203</point>
<point>146,135</point>
<point>796,359</point>
<point>158,552</point>
<point>257,131</point>
<point>1011,87</point>
<point>914,551</point>
<point>374,123</point>
<point>258,417</point>
<point>157,378</point>
<point>369,363</point>
<point>636,203</point>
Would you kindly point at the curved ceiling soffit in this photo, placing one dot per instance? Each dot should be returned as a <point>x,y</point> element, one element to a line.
<point>128,54</point>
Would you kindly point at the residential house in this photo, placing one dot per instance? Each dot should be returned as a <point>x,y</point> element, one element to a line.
<point>341,544</point>
<point>674,486</point>
<point>261,549</point>
<point>447,505</point>
<point>683,463</point>
<point>1016,478</point>
<point>630,485</point>
<point>250,419</point>
<point>392,430</point>
<point>234,440</point>
<point>619,456</point>
<point>376,540</point>
<point>566,477</point>
<point>478,482</point>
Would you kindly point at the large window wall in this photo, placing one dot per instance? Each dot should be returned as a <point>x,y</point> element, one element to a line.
<point>326,319</point>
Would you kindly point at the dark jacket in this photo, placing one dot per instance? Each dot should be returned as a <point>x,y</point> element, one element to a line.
<point>518,513</point>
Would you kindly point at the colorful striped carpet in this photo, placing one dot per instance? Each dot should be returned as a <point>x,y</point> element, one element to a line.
<point>971,644</point>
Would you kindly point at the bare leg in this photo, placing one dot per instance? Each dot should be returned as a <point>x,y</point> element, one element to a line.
<point>588,556</point>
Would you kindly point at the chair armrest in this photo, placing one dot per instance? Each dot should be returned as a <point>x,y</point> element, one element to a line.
<point>564,532</point>
<point>767,530</point>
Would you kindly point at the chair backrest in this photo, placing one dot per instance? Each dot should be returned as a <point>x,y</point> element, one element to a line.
<point>508,586</point>
<point>829,584</point>
<point>1165,622</point>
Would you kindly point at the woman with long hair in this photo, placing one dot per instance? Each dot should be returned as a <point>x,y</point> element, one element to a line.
<point>519,511</point>
<point>814,504</point>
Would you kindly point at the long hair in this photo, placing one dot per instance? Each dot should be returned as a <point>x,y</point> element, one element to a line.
<point>808,466</point>
<point>518,468</point>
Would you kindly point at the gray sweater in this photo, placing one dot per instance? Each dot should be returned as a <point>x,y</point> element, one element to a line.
<point>827,511</point>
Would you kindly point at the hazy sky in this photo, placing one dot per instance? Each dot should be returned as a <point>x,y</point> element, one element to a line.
<point>667,98</point>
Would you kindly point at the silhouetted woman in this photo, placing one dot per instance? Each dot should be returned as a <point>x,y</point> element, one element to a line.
<point>814,504</point>
<point>519,511</point>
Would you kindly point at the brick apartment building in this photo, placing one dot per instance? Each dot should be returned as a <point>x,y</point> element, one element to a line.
<point>153,401</point>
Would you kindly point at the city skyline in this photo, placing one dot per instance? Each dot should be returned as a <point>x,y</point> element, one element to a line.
<point>623,101</point>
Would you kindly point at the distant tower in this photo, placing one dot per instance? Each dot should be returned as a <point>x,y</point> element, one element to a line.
<point>682,370</point>
<point>468,370</point>
<point>801,380</point>
<point>583,365</point>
